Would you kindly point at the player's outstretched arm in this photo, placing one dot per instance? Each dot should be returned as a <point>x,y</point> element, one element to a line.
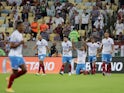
<point>73,46</point>
<point>35,47</point>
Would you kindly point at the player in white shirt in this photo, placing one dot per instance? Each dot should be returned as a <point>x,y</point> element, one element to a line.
<point>66,55</point>
<point>92,52</point>
<point>42,47</point>
<point>15,55</point>
<point>107,50</point>
<point>81,60</point>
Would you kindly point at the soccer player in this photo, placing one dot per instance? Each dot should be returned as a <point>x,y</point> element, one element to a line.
<point>42,47</point>
<point>15,56</point>
<point>66,54</point>
<point>92,52</point>
<point>81,60</point>
<point>107,50</point>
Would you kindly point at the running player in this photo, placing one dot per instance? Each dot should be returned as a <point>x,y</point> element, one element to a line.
<point>66,55</point>
<point>107,50</point>
<point>15,55</point>
<point>42,47</point>
<point>92,52</point>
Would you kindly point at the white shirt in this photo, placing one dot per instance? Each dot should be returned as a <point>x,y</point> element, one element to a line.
<point>59,20</point>
<point>107,45</point>
<point>41,46</point>
<point>92,48</point>
<point>121,10</point>
<point>81,57</point>
<point>16,37</point>
<point>119,28</point>
<point>66,49</point>
<point>99,23</point>
<point>85,18</point>
<point>77,19</point>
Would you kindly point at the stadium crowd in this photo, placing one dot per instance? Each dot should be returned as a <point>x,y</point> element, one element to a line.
<point>53,19</point>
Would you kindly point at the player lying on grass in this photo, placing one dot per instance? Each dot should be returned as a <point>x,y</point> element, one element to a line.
<point>81,60</point>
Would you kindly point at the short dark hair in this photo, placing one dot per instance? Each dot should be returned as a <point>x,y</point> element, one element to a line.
<point>65,36</point>
<point>18,23</point>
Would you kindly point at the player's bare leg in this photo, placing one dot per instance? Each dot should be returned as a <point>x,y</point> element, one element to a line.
<point>94,67</point>
<point>69,70</point>
<point>91,66</point>
<point>15,74</point>
<point>62,69</point>
<point>104,68</point>
<point>41,65</point>
<point>109,69</point>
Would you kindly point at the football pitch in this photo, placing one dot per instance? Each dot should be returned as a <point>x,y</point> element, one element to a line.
<point>55,83</point>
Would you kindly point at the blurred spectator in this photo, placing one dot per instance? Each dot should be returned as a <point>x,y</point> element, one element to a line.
<point>43,9</point>
<point>74,35</point>
<point>45,35</point>
<point>50,22</point>
<point>99,3</point>
<point>24,15</point>
<point>58,20</point>
<point>78,1</point>
<point>7,47</point>
<point>27,7</point>
<point>85,20</point>
<point>7,38</point>
<point>77,21</point>
<point>56,54</point>
<point>53,49</point>
<point>10,23</point>
<point>17,20</point>
<point>7,43</point>
<point>34,28</point>
<point>54,36</point>
<point>120,37</point>
<point>27,26</point>
<point>57,37</point>
<point>99,25</point>
<point>89,3</point>
<point>50,12</point>
<point>59,30</point>
<point>66,29</point>
<point>119,27</point>
<point>38,12</point>
<point>121,2</point>
<point>58,8</point>
<point>1,8</point>
<point>95,34</point>
<point>1,36</point>
<point>43,26</point>
<point>2,52</point>
<point>94,14</point>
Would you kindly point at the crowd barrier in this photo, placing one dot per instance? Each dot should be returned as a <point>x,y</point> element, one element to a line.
<point>53,65</point>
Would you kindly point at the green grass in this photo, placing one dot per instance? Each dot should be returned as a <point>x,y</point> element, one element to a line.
<point>66,84</point>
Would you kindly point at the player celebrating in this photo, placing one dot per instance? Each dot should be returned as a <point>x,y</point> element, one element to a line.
<point>66,54</point>
<point>42,46</point>
<point>15,55</point>
<point>81,60</point>
<point>92,52</point>
<point>107,50</point>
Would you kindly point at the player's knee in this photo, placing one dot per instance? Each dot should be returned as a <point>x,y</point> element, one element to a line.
<point>24,71</point>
